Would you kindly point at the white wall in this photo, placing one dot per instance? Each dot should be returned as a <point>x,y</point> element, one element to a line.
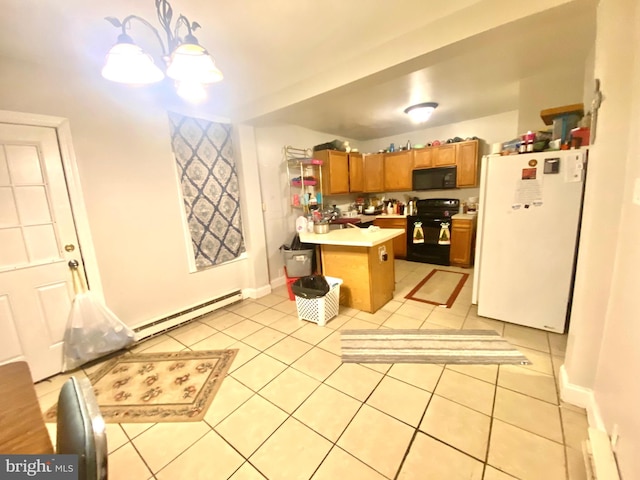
<point>127,173</point>
<point>602,352</point>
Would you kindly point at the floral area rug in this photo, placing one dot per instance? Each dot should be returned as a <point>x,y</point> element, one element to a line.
<point>158,387</point>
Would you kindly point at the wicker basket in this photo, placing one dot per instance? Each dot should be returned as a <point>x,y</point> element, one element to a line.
<point>319,310</point>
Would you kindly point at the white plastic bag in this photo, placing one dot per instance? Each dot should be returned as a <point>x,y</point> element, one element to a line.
<point>92,330</point>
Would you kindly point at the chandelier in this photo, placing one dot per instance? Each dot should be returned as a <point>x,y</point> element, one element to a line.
<point>187,63</point>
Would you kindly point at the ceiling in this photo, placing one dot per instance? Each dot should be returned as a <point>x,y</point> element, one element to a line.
<point>340,67</point>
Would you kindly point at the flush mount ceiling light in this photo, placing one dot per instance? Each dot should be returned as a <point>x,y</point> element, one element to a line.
<point>421,112</point>
<point>187,63</point>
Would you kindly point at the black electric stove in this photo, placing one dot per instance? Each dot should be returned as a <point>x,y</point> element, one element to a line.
<point>425,242</point>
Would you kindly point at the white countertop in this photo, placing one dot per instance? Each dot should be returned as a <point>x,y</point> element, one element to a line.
<point>352,237</point>
<point>464,216</point>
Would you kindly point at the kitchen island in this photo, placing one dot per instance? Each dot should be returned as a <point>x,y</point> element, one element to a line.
<point>363,259</point>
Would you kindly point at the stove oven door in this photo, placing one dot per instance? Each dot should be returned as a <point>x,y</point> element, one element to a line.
<point>423,246</point>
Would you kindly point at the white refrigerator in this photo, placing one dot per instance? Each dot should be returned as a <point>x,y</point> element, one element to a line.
<point>528,223</point>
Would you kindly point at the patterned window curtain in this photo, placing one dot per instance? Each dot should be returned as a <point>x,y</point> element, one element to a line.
<point>204,156</point>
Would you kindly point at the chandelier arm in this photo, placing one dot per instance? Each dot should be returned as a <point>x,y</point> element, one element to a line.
<point>165,15</point>
<point>182,20</point>
<point>128,19</point>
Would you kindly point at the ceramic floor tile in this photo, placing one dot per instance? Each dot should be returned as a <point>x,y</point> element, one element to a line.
<point>135,348</point>
<point>528,413</point>
<point>328,412</point>
<point>287,307</point>
<point>196,464</point>
<point>540,361</point>
<point>230,396</point>
<point>125,463</point>
<point>264,338</point>
<point>392,306</point>
<point>259,371</point>
<point>332,344</point>
<point>243,329</point>
<point>288,350</point>
<point>218,341</point>
<point>167,345</point>
<point>269,300</point>
<point>487,373</point>
<point>399,321</point>
<point>115,436</point>
<point>268,316</point>
<point>558,343</point>
<point>246,472</point>
<point>163,442</point>
<point>377,318</point>
<point>245,353</point>
<point>416,310</point>
<point>251,424</point>
<point>288,324</point>
<point>431,459</point>
<point>575,464</point>
<point>339,464</point>
<point>312,333</point>
<point>132,430</point>
<point>444,317</point>
<point>223,321</point>
<point>466,390</point>
<point>526,337</point>
<point>337,322</point>
<point>357,324</point>
<point>354,380</point>
<point>248,310</point>
<point>293,452</point>
<point>476,323</point>
<point>192,333</point>
<point>525,455</point>
<point>289,389</point>
<point>421,375</point>
<point>317,363</point>
<point>576,428</point>
<point>491,473</point>
<point>378,367</point>
<point>400,400</point>
<point>458,426</point>
<point>529,382</point>
<point>377,439</point>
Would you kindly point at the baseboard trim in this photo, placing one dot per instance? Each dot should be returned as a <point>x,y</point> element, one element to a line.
<point>256,292</point>
<point>153,327</point>
<point>581,397</point>
<point>278,282</point>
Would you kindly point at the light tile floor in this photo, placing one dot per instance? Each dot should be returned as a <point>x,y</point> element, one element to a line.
<point>290,410</point>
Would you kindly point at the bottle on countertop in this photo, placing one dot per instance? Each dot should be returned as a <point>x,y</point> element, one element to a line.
<point>408,144</point>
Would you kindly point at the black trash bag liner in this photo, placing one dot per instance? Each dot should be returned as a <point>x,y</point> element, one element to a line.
<point>311,286</point>
<point>296,244</point>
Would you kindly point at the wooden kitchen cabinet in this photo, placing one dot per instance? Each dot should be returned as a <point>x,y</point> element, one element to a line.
<point>356,172</point>
<point>467,163</point>
<point>373,173</point>
<point>399,243</point>
<point>335,171</point>
<point>444,155</point>
<point>462,242</point>
<point>423,157</point>
<point>397,171</point>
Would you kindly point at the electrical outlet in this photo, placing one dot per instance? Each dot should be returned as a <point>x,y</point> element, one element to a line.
<point>382,253</point>
<point>636,192</point>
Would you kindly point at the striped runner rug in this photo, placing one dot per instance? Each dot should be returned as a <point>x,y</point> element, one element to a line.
<point>465,347</point>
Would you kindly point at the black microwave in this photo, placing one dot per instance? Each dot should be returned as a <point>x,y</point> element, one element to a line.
<point>438,178</point>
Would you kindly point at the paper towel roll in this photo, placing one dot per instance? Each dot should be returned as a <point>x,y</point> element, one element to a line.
<point>496,148</point>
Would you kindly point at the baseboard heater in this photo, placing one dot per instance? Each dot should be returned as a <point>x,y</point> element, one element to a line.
<point>600,462</point>
<point>161,325</point>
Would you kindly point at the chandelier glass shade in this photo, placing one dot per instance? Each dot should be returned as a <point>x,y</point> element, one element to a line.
<point>421,112</point>
<point>187,63</point>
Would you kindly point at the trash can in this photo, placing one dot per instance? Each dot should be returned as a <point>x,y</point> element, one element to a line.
<point>317,298</point>
<point>298,258</point>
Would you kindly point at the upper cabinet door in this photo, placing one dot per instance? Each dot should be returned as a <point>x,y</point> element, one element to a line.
<point>397,171</point>
<point>467,162</point>
<point>423,158</point>
<point>373,172</point>
<point>356,172</point>
<point>335,171</point>
<point>445,155</point>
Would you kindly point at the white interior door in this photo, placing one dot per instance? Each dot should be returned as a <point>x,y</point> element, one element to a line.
<point>36,224</point>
